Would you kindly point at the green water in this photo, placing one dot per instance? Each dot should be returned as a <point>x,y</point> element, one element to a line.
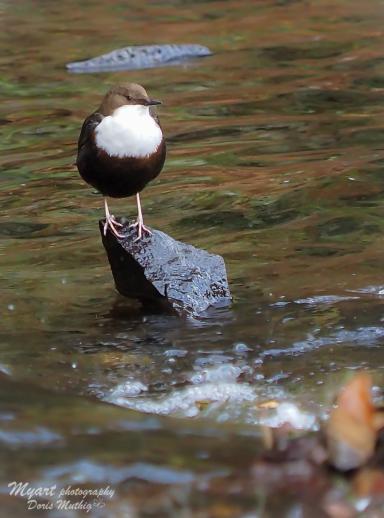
<point>275,161</point>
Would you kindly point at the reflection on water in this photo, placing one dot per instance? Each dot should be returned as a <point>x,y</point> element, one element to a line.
<point>275,162</point>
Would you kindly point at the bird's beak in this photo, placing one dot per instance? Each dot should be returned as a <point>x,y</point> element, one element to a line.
<point>152,102</point>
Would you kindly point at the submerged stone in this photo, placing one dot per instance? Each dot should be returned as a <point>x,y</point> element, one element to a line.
<point>142,56</point>
<point>164,273</point>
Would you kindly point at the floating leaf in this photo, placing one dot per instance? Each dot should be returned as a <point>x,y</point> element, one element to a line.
<point>351,432</point>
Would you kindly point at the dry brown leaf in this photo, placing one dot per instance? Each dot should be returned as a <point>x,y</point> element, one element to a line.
<point>351,431</point>
<point>270,404</point>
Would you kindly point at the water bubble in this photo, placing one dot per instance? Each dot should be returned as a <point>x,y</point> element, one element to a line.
<point>241,347</point>
<point>128,389</point>
<point>178,353</point>
<point>220,374</point>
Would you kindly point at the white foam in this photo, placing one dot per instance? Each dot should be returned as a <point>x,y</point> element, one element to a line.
<point>215,392</point>
<point>128,389</point>
<point>221,373</point>
<point>187,402</point>
<point>290,413</point>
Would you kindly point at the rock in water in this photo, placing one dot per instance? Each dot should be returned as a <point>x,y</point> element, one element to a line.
<point>162,272</point>
<point>136,57</point>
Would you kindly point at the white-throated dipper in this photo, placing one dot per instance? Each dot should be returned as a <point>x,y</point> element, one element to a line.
<point>121,148</point>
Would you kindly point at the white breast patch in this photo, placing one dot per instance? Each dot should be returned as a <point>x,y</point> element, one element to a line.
<point>129,131</point>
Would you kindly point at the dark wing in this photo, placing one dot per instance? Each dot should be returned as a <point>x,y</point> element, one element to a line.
<point>89,125</point>
<point>152,111</point>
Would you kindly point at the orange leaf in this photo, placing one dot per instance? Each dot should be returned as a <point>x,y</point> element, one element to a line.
<point>351,431</point>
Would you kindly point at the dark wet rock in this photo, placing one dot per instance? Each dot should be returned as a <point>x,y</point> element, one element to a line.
<point>136,57</point>
<point>164,273</point>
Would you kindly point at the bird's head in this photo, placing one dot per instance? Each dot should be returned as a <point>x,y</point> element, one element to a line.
<point>129,94</point>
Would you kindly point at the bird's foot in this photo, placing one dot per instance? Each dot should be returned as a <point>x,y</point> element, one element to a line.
<point>141,229</point>
<point>111,222</point>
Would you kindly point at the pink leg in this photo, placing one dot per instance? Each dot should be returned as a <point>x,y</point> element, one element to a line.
<point>141,228</point>
<point>111,222</point>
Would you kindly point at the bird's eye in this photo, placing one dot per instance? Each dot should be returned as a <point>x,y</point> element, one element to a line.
<point>128,97</point>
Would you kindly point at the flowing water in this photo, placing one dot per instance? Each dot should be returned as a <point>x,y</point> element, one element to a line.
<point>275,161</point>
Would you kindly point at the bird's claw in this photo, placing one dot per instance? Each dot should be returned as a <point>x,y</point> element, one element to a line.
<point>142,229</point>
<point>111,223</point>
<point>117,223</point>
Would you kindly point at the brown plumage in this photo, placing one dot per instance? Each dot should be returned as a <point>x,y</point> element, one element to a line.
<point>121,174</point>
